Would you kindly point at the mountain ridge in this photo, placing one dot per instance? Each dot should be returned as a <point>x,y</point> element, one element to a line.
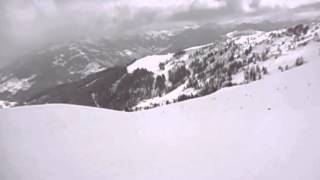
<point>167,78</point>
<point>163,79</point>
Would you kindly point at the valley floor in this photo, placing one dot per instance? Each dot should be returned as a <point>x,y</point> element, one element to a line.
<point>265,130</point>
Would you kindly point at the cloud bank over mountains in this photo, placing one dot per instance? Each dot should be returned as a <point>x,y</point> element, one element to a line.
<point>26,23</point>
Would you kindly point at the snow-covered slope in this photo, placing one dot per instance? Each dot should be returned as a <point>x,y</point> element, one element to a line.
<point>151,63</point>
<point>268,129</point>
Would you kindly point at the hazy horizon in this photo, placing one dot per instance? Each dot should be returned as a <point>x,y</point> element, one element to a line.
<point>29,24</point>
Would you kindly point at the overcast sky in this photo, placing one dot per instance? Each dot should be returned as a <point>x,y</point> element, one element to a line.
<point>25,23</point>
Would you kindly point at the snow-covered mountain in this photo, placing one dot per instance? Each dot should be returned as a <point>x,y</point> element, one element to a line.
<point>72,61</point>
<point>243,57</point>
<point>7,104</point>
<point>240,58</point>
<point>268,129</point>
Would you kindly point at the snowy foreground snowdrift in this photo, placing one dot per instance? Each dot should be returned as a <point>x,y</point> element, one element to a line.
<point>266,130</point>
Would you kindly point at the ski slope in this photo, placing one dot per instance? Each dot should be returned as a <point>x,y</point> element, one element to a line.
<point>151,63</point>
<point>265,130</point>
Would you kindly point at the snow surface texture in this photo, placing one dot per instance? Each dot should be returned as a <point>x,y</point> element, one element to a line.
<point>265,130</point>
